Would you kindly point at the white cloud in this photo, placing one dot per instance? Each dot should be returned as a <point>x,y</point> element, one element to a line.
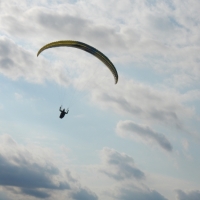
<point>15,62</point>
<point>153,105</point>
<point>138,100</point>
<point>158,35</point>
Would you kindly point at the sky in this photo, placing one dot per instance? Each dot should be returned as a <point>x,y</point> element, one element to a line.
<point>137,139</point>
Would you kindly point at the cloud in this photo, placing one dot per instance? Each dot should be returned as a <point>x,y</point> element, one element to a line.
<point>133,98</point>
<point>192,195</point>
<point>21,168</point>
<point>139,193</point>
<point>169,59</point>
<point>151,36</point>
<point>22,173</point>
<point>35,193</point>
<point>148,103</point>
<point>15,63</point>
<point>4,196</point>
<point>129,129</point>
<point>25,172</point>
<point>84,194</point>
<point>57,24</point>
<point>130,179</point>
<point>157,39</point>
<point>119,166</point>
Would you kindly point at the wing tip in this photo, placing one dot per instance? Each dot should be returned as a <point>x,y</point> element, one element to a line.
<point>116,80</point>
<point>38,53</point>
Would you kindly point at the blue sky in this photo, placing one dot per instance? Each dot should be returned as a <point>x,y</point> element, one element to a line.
<point>138,139</point>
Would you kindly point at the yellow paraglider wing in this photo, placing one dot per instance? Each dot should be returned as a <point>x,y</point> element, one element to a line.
<point>87,48</point>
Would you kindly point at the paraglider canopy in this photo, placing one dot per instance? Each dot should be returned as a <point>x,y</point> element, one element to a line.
<point>85,47</point>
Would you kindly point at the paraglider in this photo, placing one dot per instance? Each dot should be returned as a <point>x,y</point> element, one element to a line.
<point>63,113</point>
<point>84,47</point>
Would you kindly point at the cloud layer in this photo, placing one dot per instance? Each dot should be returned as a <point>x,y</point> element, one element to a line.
<point>155,47</point>
<point>152,23</point>
<point>24,171</point>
